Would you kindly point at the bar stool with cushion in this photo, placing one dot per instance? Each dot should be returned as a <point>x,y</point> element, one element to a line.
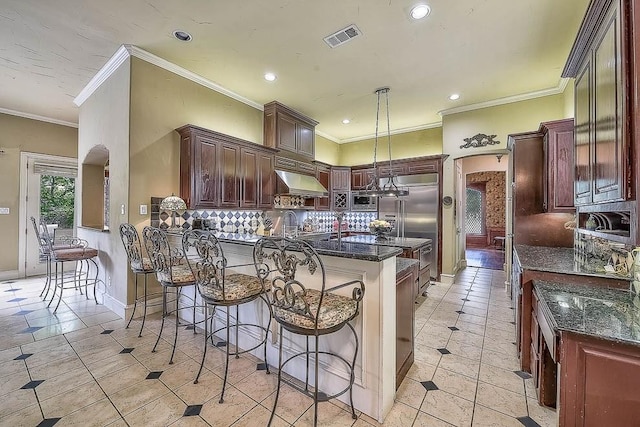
<point>220,287</point>
<point>306,311</point>
<point>139,264</point>
<point>43,247</point>
<point>78,252</point>
<point>172,272</point>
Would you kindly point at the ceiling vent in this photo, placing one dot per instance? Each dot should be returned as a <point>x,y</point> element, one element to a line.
<point>342,36</point>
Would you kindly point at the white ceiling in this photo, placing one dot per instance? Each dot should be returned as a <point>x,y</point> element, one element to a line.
<point>482,49</point>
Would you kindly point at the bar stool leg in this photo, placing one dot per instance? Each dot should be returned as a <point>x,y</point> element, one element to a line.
<point>55,285</point>
<point>275,402</point>
<point>95,279</point>
<point>135,301</point>
<point>353,375</point>
<point>306,381</point>
<point>47,283</point>
<point>206,338</point>
<point>144,313</point>
<point>175,336</point>
<point>315,391</point>
<point>237,321</point>
<point>226,364</point>
<point>61,285</point>
<point>164,315</point>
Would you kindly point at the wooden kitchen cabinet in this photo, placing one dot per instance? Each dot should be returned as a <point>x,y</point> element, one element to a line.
<point>598,382</point>
<point>360,178</point>
<point>323,174</point>
<point>221,171</point>
<point>340,188</point>
<point>289,130</point>
<point>558,144</point>
<point>405,320</point>
<point>601,63</point>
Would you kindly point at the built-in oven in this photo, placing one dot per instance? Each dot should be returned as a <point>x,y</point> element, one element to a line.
<point>363,202</point>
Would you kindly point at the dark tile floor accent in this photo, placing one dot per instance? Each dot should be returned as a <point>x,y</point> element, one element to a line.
<point>459,311</point>
<point>31,384</point>
<point>22,313</point>
<point>220,343</point>
<point>127,350</point>
<point>522,374</point>
<point>444,351</point>
<point>13,290</point>
<point>154,375</point>
<point>261,367</point>
<point>106,332</point>
<point>48,422</point>
<point>16,300</point>
<point>192,410</point>
<point>453,328</point>
<point>24,356</point>
<point>429,385</point>
<point>528,422</point>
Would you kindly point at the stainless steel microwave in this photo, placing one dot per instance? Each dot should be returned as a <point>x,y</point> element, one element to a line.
<point>361,202</point>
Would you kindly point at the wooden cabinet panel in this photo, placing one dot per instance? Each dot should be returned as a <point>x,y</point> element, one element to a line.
<point>597,384</point>
<point>559,165</point>
<point>285,163</point>
<point>582,150</point>
<point>323,175</point>
<point>418,167</point>
<point>340,178</point>
<point>405,315</point>
<point>528,162</point>
<point>608,147</point>
<point>205,173</point>
<point>306,140</point>
<point>305,168</point>
<point>286,126</point>
<point>248,178</point>
<point>229,166</point>
<point>360,178</point>
<point>266,181</point>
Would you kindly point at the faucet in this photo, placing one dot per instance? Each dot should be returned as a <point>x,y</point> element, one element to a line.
<point>293,222</point>
<point>339,218</point>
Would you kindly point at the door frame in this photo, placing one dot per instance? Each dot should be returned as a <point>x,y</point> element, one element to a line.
<point>23,224</point>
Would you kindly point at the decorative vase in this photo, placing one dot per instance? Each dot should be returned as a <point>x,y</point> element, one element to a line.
<point>381,233</point>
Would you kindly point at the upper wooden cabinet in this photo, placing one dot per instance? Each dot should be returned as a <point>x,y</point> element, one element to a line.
<point>286,129</point>
<point>558,142</point>
<point>360,178</point>
<point>221,171</point>
<point>323,174</point>
<point>601,62</point>
<point>340,188</point>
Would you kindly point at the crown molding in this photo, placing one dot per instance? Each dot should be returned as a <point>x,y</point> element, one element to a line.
<point>327,136</point>
<point>37,117</point>
<point>105,72</point>
<point>127,50</point>
<point>562,84</point>
<point>393,132</point>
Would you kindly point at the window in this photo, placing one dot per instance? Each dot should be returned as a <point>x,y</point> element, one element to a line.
<point>474,221</point>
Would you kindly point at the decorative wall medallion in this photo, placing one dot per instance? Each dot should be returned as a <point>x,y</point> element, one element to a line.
<point>479,140</point>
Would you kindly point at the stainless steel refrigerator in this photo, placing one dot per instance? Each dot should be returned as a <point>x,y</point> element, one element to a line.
<point>415,215</point>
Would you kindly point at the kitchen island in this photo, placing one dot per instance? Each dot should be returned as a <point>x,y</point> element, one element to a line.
<point>375,367</point>
<point>593,333</point>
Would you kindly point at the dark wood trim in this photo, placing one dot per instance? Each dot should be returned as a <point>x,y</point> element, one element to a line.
<point>187,130</point>
<point>276,106</point>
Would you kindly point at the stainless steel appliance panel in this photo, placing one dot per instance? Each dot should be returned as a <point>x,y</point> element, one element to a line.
<point>415,215</point>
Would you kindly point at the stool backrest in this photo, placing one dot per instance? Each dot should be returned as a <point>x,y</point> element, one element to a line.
<point>43,246</point>
<point>133,246</point>
<point>206,259</point>
<point>163,258</point>
<point>285,260</point>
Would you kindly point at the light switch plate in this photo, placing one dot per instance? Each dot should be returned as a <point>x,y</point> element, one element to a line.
<point>123,209</point>
<point>143,209</point>
<point>4,211</point>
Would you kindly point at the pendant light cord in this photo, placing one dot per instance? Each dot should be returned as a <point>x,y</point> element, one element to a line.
<point>386,92</point>
<point>375,145</point>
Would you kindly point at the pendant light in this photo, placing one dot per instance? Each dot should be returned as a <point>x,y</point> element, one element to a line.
<point>390,188</point>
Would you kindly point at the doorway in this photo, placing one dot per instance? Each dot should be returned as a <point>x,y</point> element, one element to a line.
<point>47,192</point>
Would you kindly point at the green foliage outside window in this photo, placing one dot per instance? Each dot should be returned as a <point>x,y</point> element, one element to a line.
<point>57,194</point>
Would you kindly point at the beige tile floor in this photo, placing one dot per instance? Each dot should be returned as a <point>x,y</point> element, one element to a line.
<point>88,370</point>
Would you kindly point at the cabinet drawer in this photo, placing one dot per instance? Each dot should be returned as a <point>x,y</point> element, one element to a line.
<point>547,333</point>
<point>306,168</point>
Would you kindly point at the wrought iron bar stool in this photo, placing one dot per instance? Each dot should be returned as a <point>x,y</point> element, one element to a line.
<point>218,287</point>
<point>139,264</point>
<point>305,311</point>
<point>172,272</point>
<point>43,247</point>
<point>77,252</point>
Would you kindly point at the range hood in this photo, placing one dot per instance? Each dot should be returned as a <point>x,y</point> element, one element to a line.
<point>301,185</point>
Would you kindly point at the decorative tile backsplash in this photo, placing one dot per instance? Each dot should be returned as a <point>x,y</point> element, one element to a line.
<point>357,221</point>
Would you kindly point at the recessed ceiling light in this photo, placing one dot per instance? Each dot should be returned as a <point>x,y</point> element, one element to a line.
<point>346,121</point>
<point>183,36</point>
<point>454,97</point>
<point>420,11</point>
<point>270,77</point>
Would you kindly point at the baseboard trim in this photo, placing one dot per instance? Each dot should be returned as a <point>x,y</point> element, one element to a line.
<point>447,279</point>
<point>9,274</point>
<point>156,307</point>
<point>114,305</point>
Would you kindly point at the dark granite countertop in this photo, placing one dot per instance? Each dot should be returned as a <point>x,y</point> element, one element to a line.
<point>404,264</point>
<point>328,248</point>
<point>612,314</point>
<point>556,260</point>
<point>400,242</point>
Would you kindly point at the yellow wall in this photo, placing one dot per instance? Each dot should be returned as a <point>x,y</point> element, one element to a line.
<point>18,135</point>
<point>569,104</point>
<point>104,120</point>
<point>404,145</point>
<point>327,151</point>
<point>501,120</point>
<point>161,102</point>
